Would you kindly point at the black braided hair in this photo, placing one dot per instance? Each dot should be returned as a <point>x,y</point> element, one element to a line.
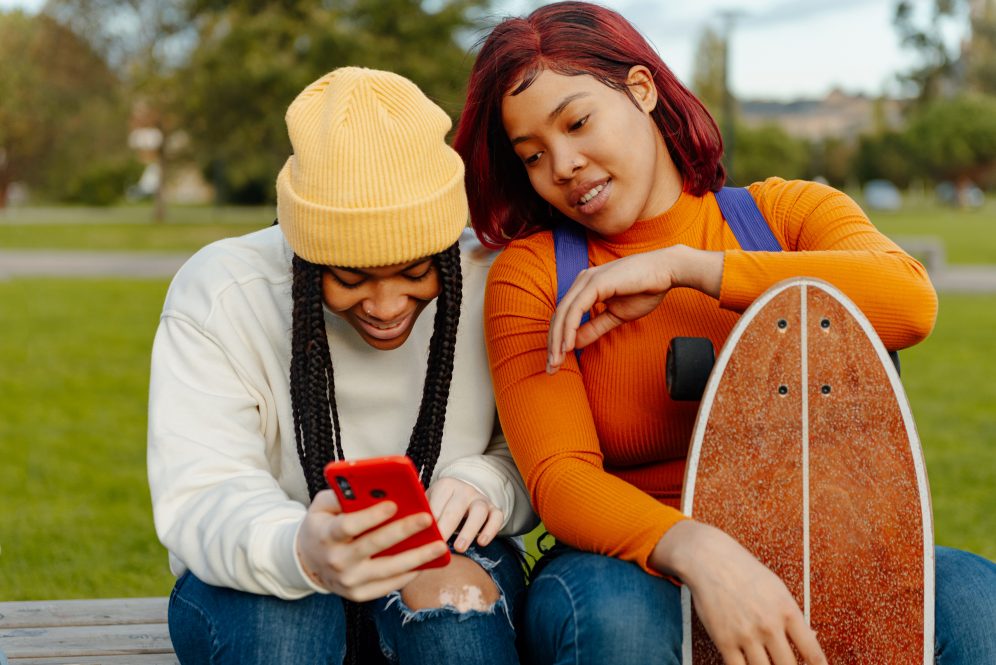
<point>316,417</point>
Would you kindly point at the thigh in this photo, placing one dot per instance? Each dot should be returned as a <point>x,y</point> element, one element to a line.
<point>965,608</point>
<point>216,625</point>
<point>447,635</point>
<point>585,608</point>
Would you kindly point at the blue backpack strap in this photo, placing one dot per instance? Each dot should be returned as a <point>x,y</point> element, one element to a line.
<point>570,247</point>
<point>746,221</point>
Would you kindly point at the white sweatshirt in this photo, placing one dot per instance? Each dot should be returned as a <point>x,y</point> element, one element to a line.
<point>228,490</point>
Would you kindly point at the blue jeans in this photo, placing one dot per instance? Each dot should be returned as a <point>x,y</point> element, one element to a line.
<point>585,608</point>
<point>217,625</point>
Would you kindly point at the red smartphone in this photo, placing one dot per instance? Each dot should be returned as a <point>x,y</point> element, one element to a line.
<point>363,483</point>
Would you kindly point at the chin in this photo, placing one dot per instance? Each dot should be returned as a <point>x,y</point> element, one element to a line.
<point>386,344</point>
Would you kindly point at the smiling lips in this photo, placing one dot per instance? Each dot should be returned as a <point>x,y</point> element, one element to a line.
<point>389,330</point>
<point>588,197</point>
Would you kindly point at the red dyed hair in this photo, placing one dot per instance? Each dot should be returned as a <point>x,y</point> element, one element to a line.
<point>569,38</point>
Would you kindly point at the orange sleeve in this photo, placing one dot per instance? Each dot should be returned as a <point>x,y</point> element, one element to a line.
<point>548,420</point>
<point>827,236</point>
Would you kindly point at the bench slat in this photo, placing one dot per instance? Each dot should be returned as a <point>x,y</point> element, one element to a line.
<point>100,612</point>
<point>85,641</point>
<point>130,659</point>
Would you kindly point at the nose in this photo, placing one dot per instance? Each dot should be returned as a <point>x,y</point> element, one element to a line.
<point>386,303</point>
<point>566,163</point>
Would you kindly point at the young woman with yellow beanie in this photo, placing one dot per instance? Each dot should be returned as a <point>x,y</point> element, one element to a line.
<point>370,271</point>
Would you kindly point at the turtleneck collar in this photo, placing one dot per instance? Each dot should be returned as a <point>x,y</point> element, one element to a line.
<point>663,228</point>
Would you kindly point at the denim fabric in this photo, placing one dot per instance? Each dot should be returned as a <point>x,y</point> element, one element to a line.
<point>965,609</point>
<point>587,608</point>
<point>222,626</point>
<point>442,635</point>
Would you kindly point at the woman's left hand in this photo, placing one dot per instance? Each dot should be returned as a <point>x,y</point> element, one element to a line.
<point>630,288</point>
<point>454,501</point>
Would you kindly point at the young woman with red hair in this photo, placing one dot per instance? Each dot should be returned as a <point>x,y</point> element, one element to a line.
<point>572,118</point>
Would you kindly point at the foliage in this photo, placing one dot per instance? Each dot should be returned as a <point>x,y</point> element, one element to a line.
<point>955,139</point>
<point>926,37</point>
<point>252,58</point>
<point>709,72</point>
<point>768,151</point>
<point>884,155</point>
<point>832,159</point>
<point>59,106</point>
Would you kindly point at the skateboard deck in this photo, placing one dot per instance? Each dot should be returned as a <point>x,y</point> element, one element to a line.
<point>805,451</point>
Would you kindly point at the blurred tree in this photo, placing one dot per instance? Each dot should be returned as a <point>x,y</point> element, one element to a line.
<point>146,41</point>
<point>832,159</point>
<point>886,155</point>
<point>253,57</point>
<point>709,72</point>
<point>955,139</point>
<point>768,151</point>
<point>980,49</point>
<point>936,75</point>
<point>60,111</point>
<point>948,68</point>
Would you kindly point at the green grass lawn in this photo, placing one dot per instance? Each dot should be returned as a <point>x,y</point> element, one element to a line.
<point>186,229</point>
<point>969,236</point>
<point>75,518</point>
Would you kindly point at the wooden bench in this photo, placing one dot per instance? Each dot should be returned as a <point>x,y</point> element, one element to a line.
<point>107,631</point>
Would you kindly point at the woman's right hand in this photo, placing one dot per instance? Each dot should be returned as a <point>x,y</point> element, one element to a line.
<point>336,557</point>
<point>746,609</point>
<point>630,288</point>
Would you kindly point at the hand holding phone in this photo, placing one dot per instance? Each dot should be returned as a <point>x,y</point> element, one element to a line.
<point>360,484</point>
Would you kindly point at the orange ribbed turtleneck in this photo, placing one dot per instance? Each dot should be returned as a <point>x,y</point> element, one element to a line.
<point>603,451</point>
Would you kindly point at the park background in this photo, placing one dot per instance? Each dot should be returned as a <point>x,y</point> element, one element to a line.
<point>136,131</point>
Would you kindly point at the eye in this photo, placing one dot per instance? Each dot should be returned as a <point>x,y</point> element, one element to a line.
<point>418,273</point>
<point>532,159</point>
<point>579,124</point>
<point>346,280</point>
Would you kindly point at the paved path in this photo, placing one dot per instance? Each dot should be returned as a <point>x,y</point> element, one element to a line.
<point>53,263</point>
<point>56,263</point>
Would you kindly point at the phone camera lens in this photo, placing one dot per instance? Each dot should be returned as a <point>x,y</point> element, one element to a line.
<point>378,494</point>
<point>344,486</point>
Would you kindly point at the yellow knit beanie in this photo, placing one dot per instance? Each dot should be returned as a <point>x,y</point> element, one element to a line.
<point>372,181</point>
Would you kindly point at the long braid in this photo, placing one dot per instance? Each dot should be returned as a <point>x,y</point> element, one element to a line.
<point>312,387</point>
<point>427,435</point>
<point>316,418</point>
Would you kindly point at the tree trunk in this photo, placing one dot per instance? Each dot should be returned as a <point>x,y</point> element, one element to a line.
<point>159,209</point>
<point>4,185</point>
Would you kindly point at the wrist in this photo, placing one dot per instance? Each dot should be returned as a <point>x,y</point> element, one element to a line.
<point>697,269</point>
<point>681,550</point>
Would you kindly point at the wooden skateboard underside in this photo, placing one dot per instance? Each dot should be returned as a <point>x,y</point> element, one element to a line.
<point>805,452</point>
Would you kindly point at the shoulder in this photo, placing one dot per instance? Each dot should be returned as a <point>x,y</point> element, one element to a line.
<point>258,260</point>
<point>778,199</point>
<point>533,254</point>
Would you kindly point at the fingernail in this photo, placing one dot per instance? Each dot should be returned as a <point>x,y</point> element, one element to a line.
<point>424,520</point>
<point>461,544</point>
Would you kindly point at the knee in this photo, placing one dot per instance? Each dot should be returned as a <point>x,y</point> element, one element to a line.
<point>462,584</point>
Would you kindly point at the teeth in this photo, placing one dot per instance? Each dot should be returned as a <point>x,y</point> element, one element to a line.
<point>591,194</point>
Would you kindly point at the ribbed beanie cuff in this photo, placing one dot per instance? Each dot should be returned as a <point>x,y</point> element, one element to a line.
<point>372,181</point>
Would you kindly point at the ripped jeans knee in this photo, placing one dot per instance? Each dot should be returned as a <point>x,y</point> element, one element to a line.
<point>473,604</point>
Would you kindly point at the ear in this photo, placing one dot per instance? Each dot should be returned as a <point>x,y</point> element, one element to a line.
<point>641,86</point>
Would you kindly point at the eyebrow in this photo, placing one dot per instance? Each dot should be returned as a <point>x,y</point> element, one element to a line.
<point>553,114</point>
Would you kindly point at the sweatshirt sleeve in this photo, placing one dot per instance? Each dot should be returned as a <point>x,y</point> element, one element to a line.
<point>827,236</point>
<point>216,504</point>
<point>549,423</point>
<point>495,475</point>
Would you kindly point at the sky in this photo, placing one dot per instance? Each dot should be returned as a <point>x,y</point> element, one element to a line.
<point>780,49</point>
